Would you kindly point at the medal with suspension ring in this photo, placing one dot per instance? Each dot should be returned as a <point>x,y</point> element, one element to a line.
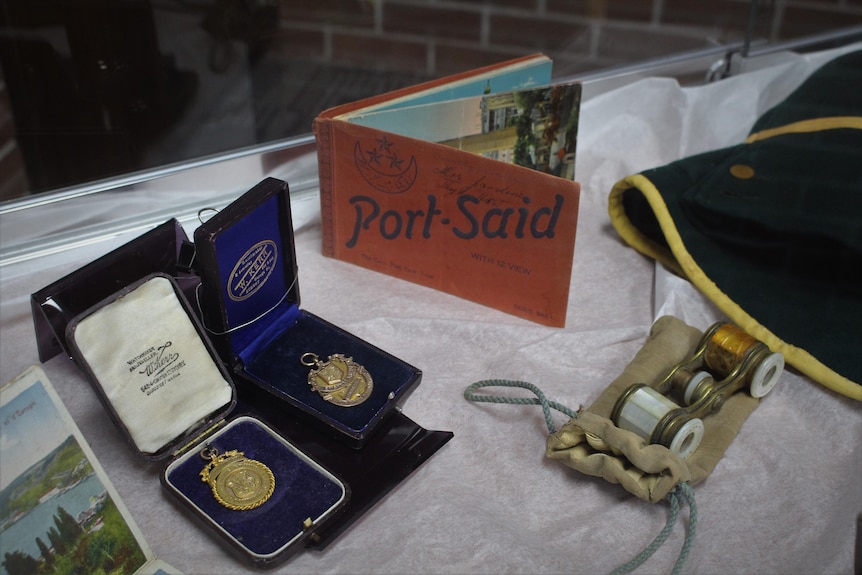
<point>339,379</point>
<point>237,482</point>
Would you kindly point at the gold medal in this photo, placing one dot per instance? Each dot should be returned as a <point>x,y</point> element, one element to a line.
<point>237,482</point>
<point>339,380</point>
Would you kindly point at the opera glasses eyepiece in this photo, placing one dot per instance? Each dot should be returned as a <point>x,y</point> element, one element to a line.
<point>642,408</point>
<point>725,361</point>
<point>729,350</point>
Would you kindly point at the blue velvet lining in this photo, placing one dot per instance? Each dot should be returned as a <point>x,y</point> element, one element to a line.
<point>301,490</point>
<point>240,261</point>
<point>278,369</point>
<point>273,324</point>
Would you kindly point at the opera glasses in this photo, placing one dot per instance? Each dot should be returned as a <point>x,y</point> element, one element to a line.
<point>725,361</point>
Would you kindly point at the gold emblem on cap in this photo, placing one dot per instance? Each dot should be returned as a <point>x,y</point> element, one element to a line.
<point>742,171</point>
<point>339,379</point>
<point>237,482</point>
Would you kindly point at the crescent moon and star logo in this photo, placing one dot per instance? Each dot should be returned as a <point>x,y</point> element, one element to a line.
<point>383,168</point>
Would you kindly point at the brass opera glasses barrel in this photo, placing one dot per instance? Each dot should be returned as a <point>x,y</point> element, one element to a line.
<point>726,360</point>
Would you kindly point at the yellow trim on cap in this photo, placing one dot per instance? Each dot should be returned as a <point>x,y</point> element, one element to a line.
<point>804,126</point>
<point>629,232</point>
<point>680,261</point>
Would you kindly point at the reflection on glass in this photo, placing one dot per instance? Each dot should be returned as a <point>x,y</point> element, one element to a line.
<point>99,88</point>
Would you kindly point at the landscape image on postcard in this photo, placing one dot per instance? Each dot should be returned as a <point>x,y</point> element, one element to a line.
<point>56,514</point>
<point>537,129</point>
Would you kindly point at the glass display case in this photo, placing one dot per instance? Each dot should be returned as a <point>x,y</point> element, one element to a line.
<point>118,115</point>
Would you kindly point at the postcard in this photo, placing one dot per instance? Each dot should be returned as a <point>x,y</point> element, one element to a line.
<point>59,512</point>
<point>535,128</point>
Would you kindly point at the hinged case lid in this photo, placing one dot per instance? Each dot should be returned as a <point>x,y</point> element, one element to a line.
<point>247,263</point>
<point>162,249</point>
<point>152,365</point>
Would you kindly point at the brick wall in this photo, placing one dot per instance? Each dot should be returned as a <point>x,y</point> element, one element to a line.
<point>437,37</point>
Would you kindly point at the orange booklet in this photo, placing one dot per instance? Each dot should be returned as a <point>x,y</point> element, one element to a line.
<point>463,184</point>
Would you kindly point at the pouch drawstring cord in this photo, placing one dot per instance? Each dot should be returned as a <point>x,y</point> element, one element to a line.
<point>540,398</point>
<point>682,493</point>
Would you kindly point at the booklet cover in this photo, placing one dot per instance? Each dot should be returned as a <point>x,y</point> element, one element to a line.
<point>473,195</point>
<point>59,512</point>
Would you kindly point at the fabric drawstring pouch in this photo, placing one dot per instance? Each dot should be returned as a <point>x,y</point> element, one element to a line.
<point>592,444</point>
